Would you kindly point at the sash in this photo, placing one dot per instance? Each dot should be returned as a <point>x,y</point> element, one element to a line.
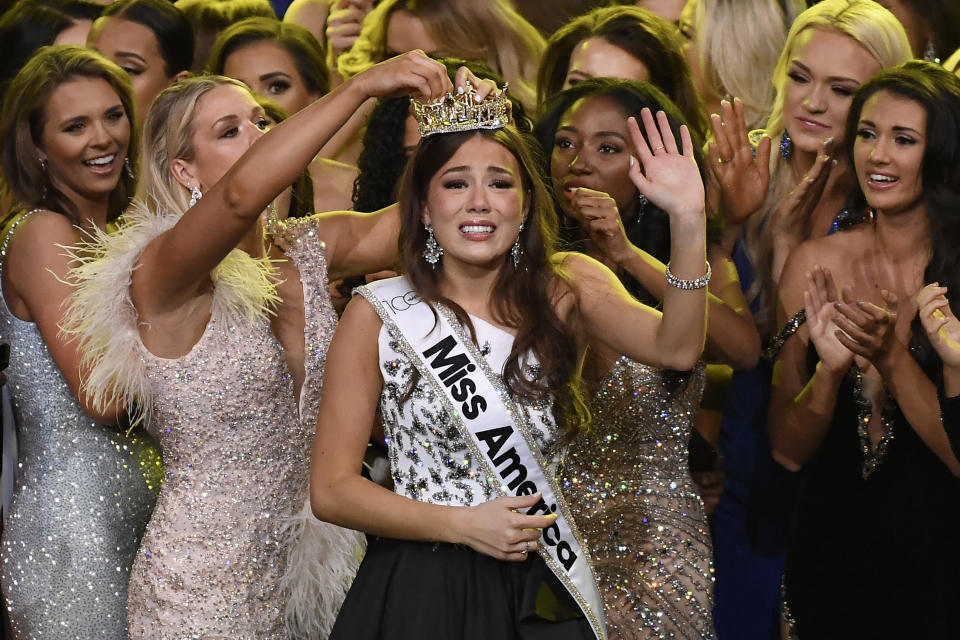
<point>479,403</point>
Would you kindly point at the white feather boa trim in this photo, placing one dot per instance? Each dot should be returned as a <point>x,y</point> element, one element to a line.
<point>321,565</point>
<point>101,314</point>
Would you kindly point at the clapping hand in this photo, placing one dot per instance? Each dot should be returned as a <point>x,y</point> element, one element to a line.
<point>790,217</point>
<point>939,322</point>
<point>866,329</point>
<point>668,176</point>
<point>743,178</point>
<point>818,301</point>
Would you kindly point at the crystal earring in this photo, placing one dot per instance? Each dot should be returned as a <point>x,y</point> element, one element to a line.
<point>128,168</point>
<point>195,195</point>
<point>786,145</point>
<point>43,164</point>
<point>930,53</point>
<point>641,204</point>
<point>432,251</point>
<point>515,250</point>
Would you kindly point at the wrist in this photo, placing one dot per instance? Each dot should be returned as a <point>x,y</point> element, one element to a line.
<point>452,525</point>
<point>830,375</point>
<point>689,222</point>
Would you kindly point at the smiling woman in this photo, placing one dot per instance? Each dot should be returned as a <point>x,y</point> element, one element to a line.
<point>85,489</point>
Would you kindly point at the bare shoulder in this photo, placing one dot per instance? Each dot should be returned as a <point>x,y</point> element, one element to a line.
<point>361,316</point>
<point>42,236</point>
<point>835,252</point>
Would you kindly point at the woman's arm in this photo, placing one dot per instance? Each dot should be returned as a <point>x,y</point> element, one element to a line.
<point>360,243</point>
<point>340,494</point>
<point>176,264</point>
<point>868,331</point>
<point>36,285</point>
<point>731,332</point>
<point>801,406</point>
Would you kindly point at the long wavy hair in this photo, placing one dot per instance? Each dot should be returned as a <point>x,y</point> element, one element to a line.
<point>491,31</point>
<point>523,298</point>
<point>938,92</point>
<point>23,118</point>
<point>883,37</point>
<point>645,36</point>
<point>649,229</point>
<point>168,134</point>
<point>168,24</point>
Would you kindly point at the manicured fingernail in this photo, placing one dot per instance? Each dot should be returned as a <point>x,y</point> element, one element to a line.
<point>477,98</point>
<point>632,161</point>
<point>459,90</point>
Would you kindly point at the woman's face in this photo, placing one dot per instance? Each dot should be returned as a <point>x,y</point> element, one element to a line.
<point>888,152</point>
<point>84,138</point>
<point>133,47</point>
<point>227,120</point>
<point>476,203</point>
<point>268,69</point>
<point>597,58</point>
<point>406,32</point>
<point>825,71</point>
<point>592,149</point>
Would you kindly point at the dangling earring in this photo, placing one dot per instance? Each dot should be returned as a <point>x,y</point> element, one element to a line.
<point>128,168</point>
<point>432,251</point>
<point>195,195</point>
<point>930,53</point>
<point>786,145</point>
<point>43,167</point>
<point>515,250</point>
<point>641,204</point>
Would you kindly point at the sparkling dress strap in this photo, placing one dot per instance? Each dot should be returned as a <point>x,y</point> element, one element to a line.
<point>791,327</point>
<point>10,231</point>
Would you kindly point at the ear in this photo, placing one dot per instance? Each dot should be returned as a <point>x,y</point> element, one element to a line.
<point>526,206</point>
<point>183,172</point>
<point>425,216</point>
<point>181,75</point>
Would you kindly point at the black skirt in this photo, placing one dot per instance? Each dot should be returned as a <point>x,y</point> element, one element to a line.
<point>415,590</point>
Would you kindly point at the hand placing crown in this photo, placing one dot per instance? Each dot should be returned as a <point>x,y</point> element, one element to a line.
<point>462,112</point>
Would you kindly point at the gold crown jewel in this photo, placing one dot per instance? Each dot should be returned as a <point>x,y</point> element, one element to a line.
<point>461,112</point>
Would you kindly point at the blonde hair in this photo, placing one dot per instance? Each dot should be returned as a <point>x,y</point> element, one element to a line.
<point>490,31</point>
<point>167,135</point>
<point>738,44</point>
<point>880,33</point>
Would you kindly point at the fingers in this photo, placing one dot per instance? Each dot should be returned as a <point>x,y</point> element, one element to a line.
<point>482,87</point>
<point>652,132</point>
<point>666,133</point>
<point>763,157</point>
<point>639,142</point>
<point>930,292</point>
<point>722,145</point>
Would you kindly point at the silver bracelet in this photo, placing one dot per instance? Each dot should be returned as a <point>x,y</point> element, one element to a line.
<point>688,285</point>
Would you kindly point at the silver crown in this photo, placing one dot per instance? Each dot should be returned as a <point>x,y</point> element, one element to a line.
<point>461,112</point>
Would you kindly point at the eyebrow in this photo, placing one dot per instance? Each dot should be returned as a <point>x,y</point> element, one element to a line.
<point>898,127</point>
<point>274,74</point>
<point>82,116</point>
<point>597,134</point>
<point>833,78</point>
<point>491,169</point>
<point>130,54</point>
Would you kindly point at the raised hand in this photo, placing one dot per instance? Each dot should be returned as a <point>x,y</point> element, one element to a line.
<point>866,329</point>
<point>743,179</point>
<point>666,175</point>
<point>940,323</point>
<point>818,302</point>
<point>500,528</point>
<point>412,73</point>
<point>483,88</point>
<point>597,213</point>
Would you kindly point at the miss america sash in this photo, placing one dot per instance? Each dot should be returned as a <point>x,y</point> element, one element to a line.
<point>498,434</point>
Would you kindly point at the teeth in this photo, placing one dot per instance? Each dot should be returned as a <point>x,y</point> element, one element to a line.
<point>103,160</point>
<point>876,177</point>
<point>476,228</point>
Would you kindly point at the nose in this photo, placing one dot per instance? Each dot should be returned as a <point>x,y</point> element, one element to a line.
<point>254,133</point>
<point>880,153</point>
<point>815,102</point>
<point>578,164</point>
<point>479,201</point>
<point>99,136</point>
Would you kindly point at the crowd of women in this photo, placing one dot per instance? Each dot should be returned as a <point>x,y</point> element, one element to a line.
<point>457,319</point>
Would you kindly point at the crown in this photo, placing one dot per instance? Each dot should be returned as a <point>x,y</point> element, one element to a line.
<point>461,112</point>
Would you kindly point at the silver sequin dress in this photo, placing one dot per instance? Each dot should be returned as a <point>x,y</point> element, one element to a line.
<point>628,484</point>
<point>214,560</point>
<point>84,494</point>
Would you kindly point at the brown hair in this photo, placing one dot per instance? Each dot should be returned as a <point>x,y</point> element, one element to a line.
<point>524,297</point>
<point>23,118</point>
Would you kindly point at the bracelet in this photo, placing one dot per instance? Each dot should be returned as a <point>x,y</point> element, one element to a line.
<point>688,285</point>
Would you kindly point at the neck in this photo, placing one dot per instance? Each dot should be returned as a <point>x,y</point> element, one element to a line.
<point>904,235</point>
<point>801,162</point>
<point>92,213</point>
<point>469,286</point>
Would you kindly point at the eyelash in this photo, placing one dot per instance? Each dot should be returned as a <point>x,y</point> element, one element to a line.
<point>563,143</point>
<point>462,184</point>
<point>799,78</point>
<point>132,71</point>
<point>867,134</point>
<point>278,87</point>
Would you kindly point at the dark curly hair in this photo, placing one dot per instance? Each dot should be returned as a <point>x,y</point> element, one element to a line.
<point>384,157</point>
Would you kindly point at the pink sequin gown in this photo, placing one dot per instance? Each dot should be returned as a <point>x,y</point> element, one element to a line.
<point>236,456</point>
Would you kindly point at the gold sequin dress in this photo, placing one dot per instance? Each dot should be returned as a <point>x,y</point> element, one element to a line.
<point>236,450</point>
<point>628,483</point>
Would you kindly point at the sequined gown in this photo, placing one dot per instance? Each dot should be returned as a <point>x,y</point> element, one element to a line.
<point>83,497</point>
<point>236,454</point>
<point>628,483</point>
